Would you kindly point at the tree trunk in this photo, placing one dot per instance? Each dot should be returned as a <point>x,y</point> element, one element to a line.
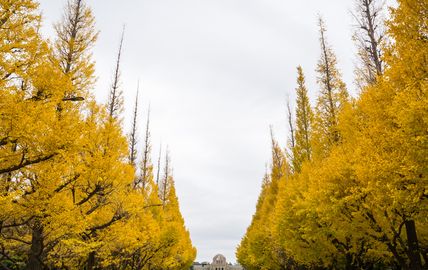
<point>412,242</point>
<point>36,250</point>
<point>349,262</point>
<point>91,261</point>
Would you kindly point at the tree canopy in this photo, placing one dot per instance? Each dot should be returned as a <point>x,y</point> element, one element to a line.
<point>68,199</point>
<point>360,200</point>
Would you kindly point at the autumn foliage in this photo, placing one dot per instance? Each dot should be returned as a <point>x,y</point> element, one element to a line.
<point>353,193</point>
<point>68,198</point>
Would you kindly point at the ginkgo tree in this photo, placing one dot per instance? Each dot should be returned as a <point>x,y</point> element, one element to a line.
<point>360,200</point>
<point>68,198</point>
<point>259,248</point>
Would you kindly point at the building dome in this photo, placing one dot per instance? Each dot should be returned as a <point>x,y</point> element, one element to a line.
<point>219,259</point>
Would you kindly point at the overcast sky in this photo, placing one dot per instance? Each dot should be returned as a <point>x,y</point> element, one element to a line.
<point>217,74</point>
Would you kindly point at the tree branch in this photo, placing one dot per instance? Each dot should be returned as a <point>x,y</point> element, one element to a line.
<point>25,162</point>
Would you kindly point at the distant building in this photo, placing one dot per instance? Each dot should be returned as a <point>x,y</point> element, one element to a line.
<point>219,263</point>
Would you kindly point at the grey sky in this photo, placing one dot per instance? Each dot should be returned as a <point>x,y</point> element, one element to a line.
<point>216,73</point>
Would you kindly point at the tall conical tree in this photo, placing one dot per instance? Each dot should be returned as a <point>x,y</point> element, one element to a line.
<point>279,166</point>
<point>302,151</point>
<point>76,35</point>
<point>115,99</point>
<point>159,165</point>
<point>182,253</point>
<point>368,36</point>
<point>259,248</point>
<point>132,137</point>
<point>165,181</point>
<point>246,252</point>
<point>146,168</point>
<point>292,137</point>
<point>332,97</point>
